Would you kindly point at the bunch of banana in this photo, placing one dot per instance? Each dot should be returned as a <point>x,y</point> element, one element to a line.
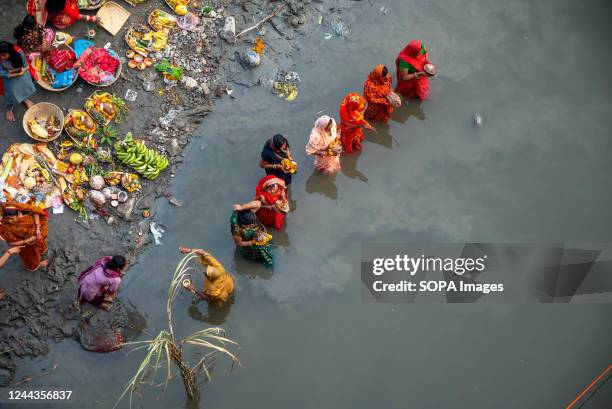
<point>143,160</point>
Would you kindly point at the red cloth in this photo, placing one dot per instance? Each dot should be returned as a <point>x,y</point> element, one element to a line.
<point>275,217</point>
<point>95,62</point>
<point>36,8</point>
<point>61,60</point>
<point>352,122</point>
<point>66,17</point>
<point>32,70</point>
<point>412,55</point>
<point>375,89</point>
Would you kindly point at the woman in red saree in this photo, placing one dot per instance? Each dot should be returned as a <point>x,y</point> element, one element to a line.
<point>412,81</point>
<point>379,94</point>
<point>270,203</point>
<point>25,225</point>
<point>60,13</point>
<point>352,122</point>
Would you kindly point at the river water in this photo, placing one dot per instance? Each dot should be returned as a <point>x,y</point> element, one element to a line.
<point>537,170</point>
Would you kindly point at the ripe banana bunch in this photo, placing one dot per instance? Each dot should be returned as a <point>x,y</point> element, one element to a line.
<point>143,160</point>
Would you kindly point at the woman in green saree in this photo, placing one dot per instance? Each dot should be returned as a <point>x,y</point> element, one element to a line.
<point>251,237</point>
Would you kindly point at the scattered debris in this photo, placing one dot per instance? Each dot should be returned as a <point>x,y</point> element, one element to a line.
<point>157,231</point>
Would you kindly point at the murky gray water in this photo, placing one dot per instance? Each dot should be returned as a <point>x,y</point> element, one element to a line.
<point>539,169</point>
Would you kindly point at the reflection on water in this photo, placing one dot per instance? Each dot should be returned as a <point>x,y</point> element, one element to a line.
<point>409,108</point>
<point>250,269</point>
<point>214,314</point>
<point>349,166</point>
<point>323,184</point>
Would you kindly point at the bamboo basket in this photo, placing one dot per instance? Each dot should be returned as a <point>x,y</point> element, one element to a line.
<point>113,17</point>
<point>46,109</point>
<point>47,86</point>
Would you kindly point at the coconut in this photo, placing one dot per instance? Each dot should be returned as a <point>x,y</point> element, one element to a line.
<point>96,182</point>
<point>97,197</point>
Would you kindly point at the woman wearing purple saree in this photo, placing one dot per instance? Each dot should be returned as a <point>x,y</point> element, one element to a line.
<point>99,284</point>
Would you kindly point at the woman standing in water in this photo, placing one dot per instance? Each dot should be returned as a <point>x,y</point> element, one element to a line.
<point>413,70</point>
<point>16,74</point>
<point>276,158</point>
<point>379,94</point>
<point>251,237</point>
<point>25,225</point>
<point>270,203</point>
<point>352,122</point>
<point>218,283</point>
<point>324,145</point>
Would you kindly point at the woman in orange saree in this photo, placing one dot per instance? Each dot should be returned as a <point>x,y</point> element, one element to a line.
<point>377,91</point>
<point>25,225</point>
<point>352,122</point>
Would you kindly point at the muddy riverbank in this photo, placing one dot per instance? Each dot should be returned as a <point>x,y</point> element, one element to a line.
<point>38,308</point>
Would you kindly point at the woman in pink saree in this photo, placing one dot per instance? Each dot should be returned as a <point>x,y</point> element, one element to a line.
<point>324,144</point>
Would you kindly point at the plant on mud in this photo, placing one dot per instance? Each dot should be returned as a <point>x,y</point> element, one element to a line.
<point>166,349</point>
<point>107,135</point>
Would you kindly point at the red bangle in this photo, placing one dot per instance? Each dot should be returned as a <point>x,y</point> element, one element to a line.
<point>90,19</point>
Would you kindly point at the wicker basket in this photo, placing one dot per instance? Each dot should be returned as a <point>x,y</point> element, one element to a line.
<point>43,109</point>
<point>47,86</point>
<point>94,7</point>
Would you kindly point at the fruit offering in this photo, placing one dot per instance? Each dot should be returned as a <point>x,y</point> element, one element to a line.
<point>143,160</point>
<point>288,166</point>
<point>130,182</point>
<point>79,124</point>
<point>334,148</point>
<point>263,238</point>
<point>104,107</point>
<point>160,20</point>
<point>45,127</point>
<point>179,6</point>
<point>113,178</point>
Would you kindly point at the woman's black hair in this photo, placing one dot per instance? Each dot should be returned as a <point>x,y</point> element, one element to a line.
<point>14,57</point>
<point>385,71</point>
<point>9,212</point>
<point>279,140</point>
<point>116,263</point>
<point>55,6</point>
<point>28,24</point>
<point>246,217</point>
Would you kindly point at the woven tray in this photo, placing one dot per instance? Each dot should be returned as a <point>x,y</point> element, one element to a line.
<point>113,17</point>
